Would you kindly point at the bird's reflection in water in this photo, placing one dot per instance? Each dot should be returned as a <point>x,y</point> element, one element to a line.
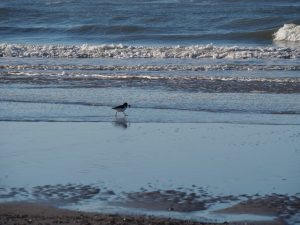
<point>121,122</point>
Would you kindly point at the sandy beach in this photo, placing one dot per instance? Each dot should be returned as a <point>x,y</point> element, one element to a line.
<point>218,173</point>
<point>25,213</point>
<point>35,214</point>
<point>213,132</point>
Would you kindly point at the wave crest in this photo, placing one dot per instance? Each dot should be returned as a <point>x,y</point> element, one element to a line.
<point>123,51</point>
<point>289,32</point>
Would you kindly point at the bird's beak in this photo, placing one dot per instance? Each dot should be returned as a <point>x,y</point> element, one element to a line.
<point>129,106</point>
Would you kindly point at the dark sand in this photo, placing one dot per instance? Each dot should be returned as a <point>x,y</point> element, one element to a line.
<point>26,213</point>
<point>36,214</point>
<point>281,206</point>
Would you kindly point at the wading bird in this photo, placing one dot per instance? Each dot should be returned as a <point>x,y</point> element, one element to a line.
<point>121,108</point>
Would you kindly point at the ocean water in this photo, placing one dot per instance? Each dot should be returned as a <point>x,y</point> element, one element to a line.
<point>145,22</point>
<point>203,61</point>
<point>225,73</point>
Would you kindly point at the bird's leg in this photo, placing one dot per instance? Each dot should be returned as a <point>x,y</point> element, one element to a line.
<point>116,113</point>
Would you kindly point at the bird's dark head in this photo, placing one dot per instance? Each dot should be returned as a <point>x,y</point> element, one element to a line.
<point>126,105</point>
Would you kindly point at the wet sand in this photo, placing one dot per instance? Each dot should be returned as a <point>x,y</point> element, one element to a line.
<point>36,214</point>
<point>170,202</point>
<point>287,208</point>
<point>182,171</point>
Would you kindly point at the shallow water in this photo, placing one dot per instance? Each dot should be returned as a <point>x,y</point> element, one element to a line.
<point>159,90</point>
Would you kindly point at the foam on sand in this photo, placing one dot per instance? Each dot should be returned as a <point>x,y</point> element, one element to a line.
<point>289,32</point>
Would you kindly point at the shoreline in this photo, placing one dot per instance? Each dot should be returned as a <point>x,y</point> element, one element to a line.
<point>31,213</point>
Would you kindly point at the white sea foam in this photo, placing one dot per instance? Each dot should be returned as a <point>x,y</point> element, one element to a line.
<point>289,32</point>
<point>123,51</point>
<point>166,67</point>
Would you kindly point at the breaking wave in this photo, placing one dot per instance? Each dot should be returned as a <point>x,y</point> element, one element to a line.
<point>166,67</point>
<point>289,32</point>
<point>124,51</point>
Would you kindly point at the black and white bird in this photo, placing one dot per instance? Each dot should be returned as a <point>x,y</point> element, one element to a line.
<point>121,108</point>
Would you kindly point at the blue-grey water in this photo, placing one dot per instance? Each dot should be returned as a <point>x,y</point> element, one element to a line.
<point>218,79</point>
<point>73,60</point>
<point>145,22</point>
<point>219,57</point>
